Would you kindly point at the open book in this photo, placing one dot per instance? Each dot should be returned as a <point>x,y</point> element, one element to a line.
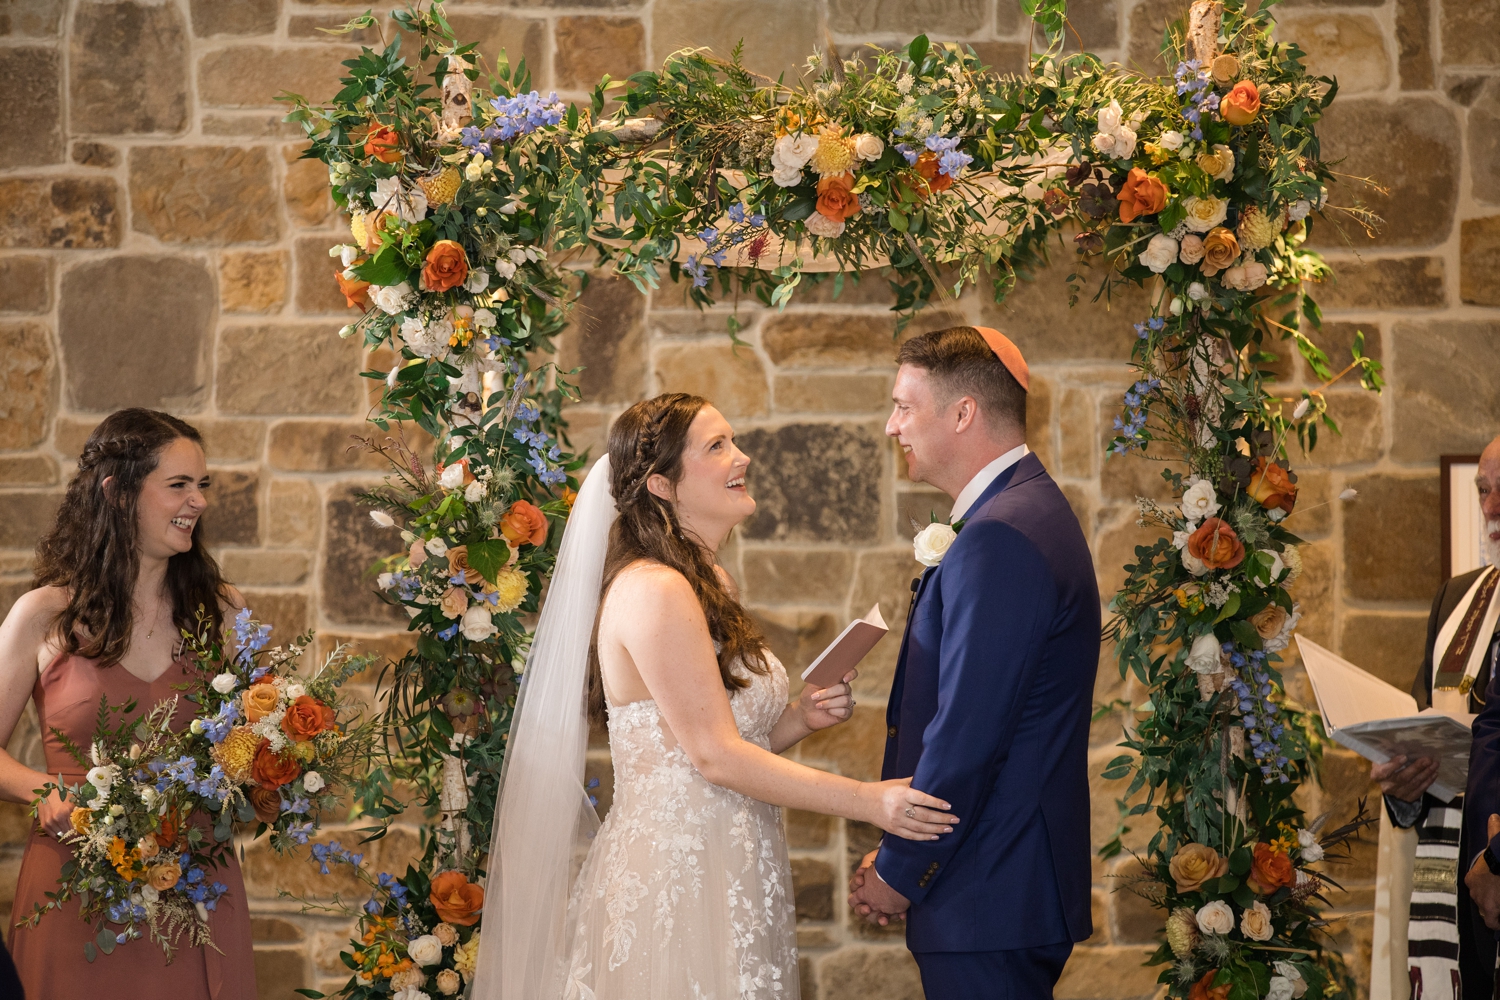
<point>1379,722</point>
<point>847,650</point>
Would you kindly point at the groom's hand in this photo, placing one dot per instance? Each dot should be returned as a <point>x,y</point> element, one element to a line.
<point>872,898</point>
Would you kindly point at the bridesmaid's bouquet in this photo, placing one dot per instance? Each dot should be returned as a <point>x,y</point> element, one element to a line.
<point>138,865</point>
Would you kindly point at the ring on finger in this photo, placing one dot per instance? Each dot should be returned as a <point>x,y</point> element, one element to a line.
<point>911,812</point>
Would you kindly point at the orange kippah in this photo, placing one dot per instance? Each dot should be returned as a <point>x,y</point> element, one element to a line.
<point>1009,355</point>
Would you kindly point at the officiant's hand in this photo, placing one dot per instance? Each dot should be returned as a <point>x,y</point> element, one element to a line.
<point>1403,779</point>
<point>1484,886</point>
<point>824,707</point>
<point>872,898</point>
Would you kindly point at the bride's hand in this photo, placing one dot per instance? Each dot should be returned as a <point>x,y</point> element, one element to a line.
<point>908,813</point>
<point>824,707</point>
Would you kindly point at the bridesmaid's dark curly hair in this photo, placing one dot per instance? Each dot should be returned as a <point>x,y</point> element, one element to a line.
<point>92,549</point>
<point>646,440</point>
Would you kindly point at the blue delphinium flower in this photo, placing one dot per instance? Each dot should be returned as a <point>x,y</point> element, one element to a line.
<point>736,213</point>
<point>941,143</point>
<point>908,152</point>
<point>218,726</point>
<point>953,162</point>
<point>333,853</point>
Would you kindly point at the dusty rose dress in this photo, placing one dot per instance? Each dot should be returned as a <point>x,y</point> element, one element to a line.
<point>49,956</point>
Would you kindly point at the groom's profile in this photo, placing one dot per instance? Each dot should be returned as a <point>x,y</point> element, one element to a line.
<point>990,705</point>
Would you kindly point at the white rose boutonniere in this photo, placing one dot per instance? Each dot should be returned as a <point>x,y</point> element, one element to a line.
<point>933,542</point>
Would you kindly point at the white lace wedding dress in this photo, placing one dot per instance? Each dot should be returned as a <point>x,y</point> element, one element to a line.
<point>686,892</point>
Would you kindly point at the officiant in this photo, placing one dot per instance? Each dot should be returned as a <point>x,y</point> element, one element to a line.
<point>1429,936</point>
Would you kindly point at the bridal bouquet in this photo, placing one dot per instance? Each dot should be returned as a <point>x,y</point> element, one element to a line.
<point>140,864</point>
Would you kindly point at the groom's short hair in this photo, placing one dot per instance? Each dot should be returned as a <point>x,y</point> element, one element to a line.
<point>961,363</point>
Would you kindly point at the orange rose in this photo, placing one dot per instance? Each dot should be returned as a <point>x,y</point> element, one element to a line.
<point>1268,621</point>
<point>356,292</point>
<point>1204,989</point>
<point>271,770</point>
<point>455,602</point>
<point>81,820</point>
<point>267,803</point>
<point>1270,870</point>
<point>1220,248</point>
<point>147,846</point>
<point>1272,487</point>
<point>166,834</point>
<point>1216,545</point>
<point>305,718</point>
<point>259,701</point>
<point>456,899</point>
<point>836,198</point>
<point>458,562</point>
<point>446,266</point>
<point>164,876</point>
<point>384,144</point>
<point>1141,195</point>
<point>1194,864</point>
<point>524,523</point>
<point>1241,105</point>
<point>927,165</point>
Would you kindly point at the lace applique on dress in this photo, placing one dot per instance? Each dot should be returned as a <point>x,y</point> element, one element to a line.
<point>686,888</point>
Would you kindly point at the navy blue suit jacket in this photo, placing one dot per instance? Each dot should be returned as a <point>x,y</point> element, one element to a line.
<point>989,711</point>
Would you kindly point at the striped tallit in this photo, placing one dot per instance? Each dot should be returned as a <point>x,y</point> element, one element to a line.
<point>1432,930</point>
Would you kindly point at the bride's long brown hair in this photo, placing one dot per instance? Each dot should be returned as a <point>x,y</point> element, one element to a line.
<point>649,439</point>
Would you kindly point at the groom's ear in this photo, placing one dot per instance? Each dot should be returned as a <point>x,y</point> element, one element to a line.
<point>966,413</point>
<point>660,486</point>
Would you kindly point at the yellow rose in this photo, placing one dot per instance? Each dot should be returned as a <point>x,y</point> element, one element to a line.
<point>164,876</point>
<point>1204,213</point>
<point>1220,248</point>
<point>1194,864</point>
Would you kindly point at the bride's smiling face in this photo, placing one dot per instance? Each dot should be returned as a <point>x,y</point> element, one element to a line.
<point>711,496</point>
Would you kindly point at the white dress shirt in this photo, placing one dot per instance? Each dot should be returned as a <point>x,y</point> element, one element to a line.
<point>982,480</point>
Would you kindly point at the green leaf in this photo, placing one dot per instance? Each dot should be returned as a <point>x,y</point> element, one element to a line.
<point>1244,896</point>
<point>897,220</point>
<point>799,209</point>
<point>386,268</point>
<point>1239,861</point>
<point>917,50</point>
<point>432,650</point>
<point>1230,607</point>
<point>489,557</point>
<point>1227,884</point>
<point>310,993</point>
<point>105,939</point>
<point>89,951</point>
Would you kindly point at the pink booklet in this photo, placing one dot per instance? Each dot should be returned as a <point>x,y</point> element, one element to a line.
<point>845,652</point>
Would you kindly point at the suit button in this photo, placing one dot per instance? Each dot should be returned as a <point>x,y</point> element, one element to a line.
<point>890,732</point>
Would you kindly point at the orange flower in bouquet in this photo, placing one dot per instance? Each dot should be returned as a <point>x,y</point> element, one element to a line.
<point>524,523</point>
<point>1272,487</point>
<point>259,701</point>
<point>271,769</point>
<point>1204,989</point>
<point>456,899</point>
<point>1141,195</point>
<point>356,291</point>
<point>305,718</point>
<point>382,143</point>
<point>266,802</point>
<point>1270,869</point>
<point>445,267</point>
<point>836,198</point>
<point>928,166</point>
<point>1241,105</point>
<point>1216,545</point>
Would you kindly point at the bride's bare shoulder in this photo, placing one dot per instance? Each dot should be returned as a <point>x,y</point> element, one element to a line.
<point>648,585</point>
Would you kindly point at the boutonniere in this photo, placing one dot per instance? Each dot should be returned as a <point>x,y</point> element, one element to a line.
<point>933,541</point>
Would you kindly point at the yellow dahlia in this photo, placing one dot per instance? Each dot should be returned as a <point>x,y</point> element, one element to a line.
<point>510,588</point>
<point>835,153</point>
<point>465,956</point>
<point>440,188</point>
<point>1182,931</point>
<point>237,753</point>
<point>1258,230</point>
<point>358,230</point>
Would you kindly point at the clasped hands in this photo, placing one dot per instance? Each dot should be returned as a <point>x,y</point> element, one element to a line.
<point>872,898</point>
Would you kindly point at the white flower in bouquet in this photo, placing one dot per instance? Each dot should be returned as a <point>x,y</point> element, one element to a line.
<point>1204,213</point>
<point>1255,922</point>
<point>149,894</point>
<point>1308,846</point>
<point>385,581</point>
<point>1216,918</point>
<point>383,519</point>
<point>1197,291</point>
<point>821,225</point>
<point>1277,565</point>
<point>869,147</point>
<point>409,992</point>
<point>347,254</point>
<point>1289,972</point>
<point>391,196</point>
<point>505,269</point>
<point>477,281</point>
<point>1246,277</point>
<point>1280,988</point>
<point>224,683</point>
<point>436,546</point>
<point>102,777</point>
<point>312,781</point>
<point>294,691</point>
<point>933,542</point>
<point>1160,253</point>
<point>1203,657</point>
<point>1299,210</point>
<point>1171,139</point>
<point>787,176</point>
<point>476,624</point>
<point>1221,157</point>
<point>1192,563</point>
<point>391,299</point>
<point>1283,638</point>
<point>474,492</point>
<point>1199,501</point>
<point>425,950</point>
<point>1180,538</point>
<point>484,318</point>
<point>794,149</point>
<point>452,477</point>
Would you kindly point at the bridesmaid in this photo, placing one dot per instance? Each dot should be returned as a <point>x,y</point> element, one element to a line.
<point>121,573</point>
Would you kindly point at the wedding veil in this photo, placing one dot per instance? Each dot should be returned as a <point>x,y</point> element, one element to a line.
<point>543,817</point>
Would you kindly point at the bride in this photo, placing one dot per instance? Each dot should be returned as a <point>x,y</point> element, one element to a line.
<point>685,891</point>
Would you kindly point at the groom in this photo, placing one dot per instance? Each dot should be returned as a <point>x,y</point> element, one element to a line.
<point>990,706</point>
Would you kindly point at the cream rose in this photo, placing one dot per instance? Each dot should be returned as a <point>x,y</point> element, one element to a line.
<point>1203,657</point>
<point>455,602</point>
<point>868,147</point>
<point>448,982</point>
<point>1255,922</point>
<point>1217,163</point>
<point>425,950</point>
<point>225,682</point>
<point>1192,563</point>
<point>1246,277</point>
<point>1160,253</point>
<point>794,150</point>
<point>476,623</point>
<point>1287,970</point>
<point>821,225</point>
<point>1192,249</point>
<point>312,781</point>
<point>446,933</point>
<point>1172,140</point>
<point>933,542</point>
<point>1204,213</point>
<point>1216,918</point>
<point>1199,501</point>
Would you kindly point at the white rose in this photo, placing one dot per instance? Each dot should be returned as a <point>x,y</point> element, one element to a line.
<point>1300,210</point>
<point>1226,154</point>
<point>452,477</point>
<point>1289,971</point>
<point>1160,254</point>
<point>1203,657</point>
<point>476,624</point>
<point>148,795</point>
<point>787,176</point>
<point>484,319</point>
<point>1124,142</point>
<point>796,149</point>
<point>1197,291</point>
<point>1200,501</point>
<point>312,781</point>
<point>477,281</point>
<point>1277,565</point>
<point>474,492</point>
<point>383,519</point>
<point>149,894</point>
<point>294,691</point>
<point>1110,117</point>
<point>869,147</point>
<point>1280,989</point>
<point>384,580</point>
<point>348,255</point>
<point>933,542</point>
<point>410,993</point>
<point>1171,140</point>
<point>224,683</point>
<point>1192,563</point>
<point>821,225</point>
<point>1104,142</point>
<point>1180,538</point>
<point>436,547</point>
<point>1216,918</point>
<point>1255,922</point>
<point>1204,213</point>
<point>1309,847</point>
<point>425,950</point>
<point>391,299</point>
<point>517,255</point>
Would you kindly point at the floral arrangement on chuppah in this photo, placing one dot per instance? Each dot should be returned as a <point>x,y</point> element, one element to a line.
<point>464,197</point>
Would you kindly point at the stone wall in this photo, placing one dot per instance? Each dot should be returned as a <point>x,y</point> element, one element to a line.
<point>162,245</point>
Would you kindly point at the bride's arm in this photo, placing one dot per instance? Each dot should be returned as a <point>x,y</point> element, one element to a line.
<point>660,623</point>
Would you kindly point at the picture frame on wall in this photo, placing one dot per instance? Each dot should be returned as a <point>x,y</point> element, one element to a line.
<point>1463,521</point>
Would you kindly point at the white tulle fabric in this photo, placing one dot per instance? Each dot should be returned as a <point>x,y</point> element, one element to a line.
<point>686,892</point>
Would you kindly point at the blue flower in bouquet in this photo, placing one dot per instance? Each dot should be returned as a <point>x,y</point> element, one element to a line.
<point>448,632</point>
<point>699,271</point>
<point>941,143</point>
<point>528,413</point>
<point>298,806</point>
<point>953,162</point>
<point>478,140</point>
<point>333,853</point>
<point>908,152</point>
<point>392,885</point>
<point>300,832</point>
<point>179,772</point>
<point>1259,716</point>
<point>249,636</point>
<point>217,726</point>
<point>525,113</point>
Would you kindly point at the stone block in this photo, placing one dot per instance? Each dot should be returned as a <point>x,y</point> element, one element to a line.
<point>233,515</point>
<point>1002,57</point>
<point>274,930</point>
<point>1097,23</point>
<point>833,393</point>
<point>807,339</point>
<point>31,116</point>
<point>1479,261</point>
<point>252,281</point>
<point>354,544</point>
<point>732,378</point>
<point>1411,147</point>
<point>778,576</point>
<point>607,339</point>
<point>28,383</point>
<point>1314,590</point>
<point>1149,19</point>
<point>1392,549</point>
<point>1447,394</point>
<point>1134,920</point>
<point>1484,143</point>
<point>806,975</point>
<point>1349,46</point>
<point>815,482</point>
<point>32,18</point>
<point>324,377</point>
<point>1390,646</point>
<point>28,470</point>
<point>796,637</point>
<point>1039,407</point>
<point>248,125</point>
<point>127,68</point>
<point>155,313</point>
<point>1077,412</point>
<point>1037,317</point>
<point>778,35</point>
<point>25,284</point>
<point>25,517</point>
<point>518,37</point>
<point>1114,545</point>
<point>891,17</point>
<point>242,17</point>
<point>304,188</point>
<point>807,829</point>
<point>1467,28</point>
<point>1113,973</point>
<point>1361,420</point>
<point>883,577</point>
<point>1414,44</point>
<point>586,48</point>
<point>916,509</point>
<point>316,28</point>
<point>586,431</point>
<point>288,612</point>
<point>861,972</point>
<point>1366,284</point>
<point>385,649</point>
<point>855,748</point>
<point>254,568</point>
<point>69,212</point>
<point>813,883</point>
<point>665,321</point>
<point>95,154</point>
<point>250,76</point>
<point>322,446</point>
<point>293,513</point>
<point>203,195</point>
